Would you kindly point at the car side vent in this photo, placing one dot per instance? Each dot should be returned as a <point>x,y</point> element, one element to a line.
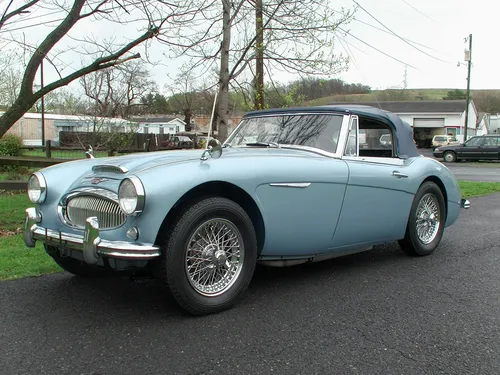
<point>107,168</point>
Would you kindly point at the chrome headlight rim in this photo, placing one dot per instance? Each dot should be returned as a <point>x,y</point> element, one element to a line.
<point>43,187</point>
<point>139,192</point>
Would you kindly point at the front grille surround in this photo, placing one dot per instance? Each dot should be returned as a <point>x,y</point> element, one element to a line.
<point>76,208</point>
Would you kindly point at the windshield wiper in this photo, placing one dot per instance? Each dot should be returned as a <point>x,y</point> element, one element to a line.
<point>263,144</point>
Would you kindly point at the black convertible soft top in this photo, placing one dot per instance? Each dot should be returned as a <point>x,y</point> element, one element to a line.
<point>403,134</point>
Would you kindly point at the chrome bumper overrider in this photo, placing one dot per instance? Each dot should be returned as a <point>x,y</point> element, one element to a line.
<point>464,203</point>
<point>90,244</point>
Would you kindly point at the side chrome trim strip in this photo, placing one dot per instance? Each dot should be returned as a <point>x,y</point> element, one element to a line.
<point>291,184</point>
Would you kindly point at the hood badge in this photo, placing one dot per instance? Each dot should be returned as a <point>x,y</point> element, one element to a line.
<point>97,180</point>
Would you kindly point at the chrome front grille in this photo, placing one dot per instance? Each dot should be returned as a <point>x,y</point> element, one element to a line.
<point>107,211</point>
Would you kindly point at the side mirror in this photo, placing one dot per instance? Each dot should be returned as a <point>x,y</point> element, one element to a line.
<point>214,149</point>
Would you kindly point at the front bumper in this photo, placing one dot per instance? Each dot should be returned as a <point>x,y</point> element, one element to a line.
<point>437,154</point>
<point>90,244</point>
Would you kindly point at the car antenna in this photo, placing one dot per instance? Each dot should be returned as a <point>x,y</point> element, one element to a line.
<point>212,148</point>
<point>211,120</point>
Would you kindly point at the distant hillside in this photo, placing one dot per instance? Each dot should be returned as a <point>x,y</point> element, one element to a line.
<point>396,95</point>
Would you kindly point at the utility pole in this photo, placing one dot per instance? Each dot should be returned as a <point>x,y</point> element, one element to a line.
<point>259,56</point>
<point>468,58</point>
<point>43,106</point>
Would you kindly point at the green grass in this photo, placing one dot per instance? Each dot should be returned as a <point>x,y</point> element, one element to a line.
<point>12,208</point>
<point>388,95</point>
<point>63,154</point>
<point>17,261</point>
<point>476,189</point>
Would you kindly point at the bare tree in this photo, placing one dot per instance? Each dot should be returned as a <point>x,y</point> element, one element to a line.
<point>292,36</point>
<point>116,91</point>
<point>487,101</point>
<point>10,78</point>
<point>157,18</point>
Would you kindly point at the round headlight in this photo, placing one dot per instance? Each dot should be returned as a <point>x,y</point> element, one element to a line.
<point>131,196</point>
<point>37,188</point>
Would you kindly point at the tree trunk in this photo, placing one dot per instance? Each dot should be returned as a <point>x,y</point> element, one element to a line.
<point>187,118</point>
<point>15,112</point>
<point>223,99</point>
<point>259,57</point>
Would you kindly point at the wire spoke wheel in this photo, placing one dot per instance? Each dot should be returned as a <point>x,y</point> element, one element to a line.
<point>428,218</point>
<point>214,257</point>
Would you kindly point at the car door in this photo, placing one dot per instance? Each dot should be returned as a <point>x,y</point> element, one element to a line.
<point>376,202</point>
<point>490,148</point>
<point>472,149</point>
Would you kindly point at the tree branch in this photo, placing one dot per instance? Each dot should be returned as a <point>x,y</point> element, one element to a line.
<point>6,16</point>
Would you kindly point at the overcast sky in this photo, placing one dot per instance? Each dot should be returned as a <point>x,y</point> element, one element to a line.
<point>438,26</point>
<point>441,26</point>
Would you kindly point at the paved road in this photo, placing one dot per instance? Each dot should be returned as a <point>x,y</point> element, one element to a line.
<point>471,171</point>
<point>380,312</point>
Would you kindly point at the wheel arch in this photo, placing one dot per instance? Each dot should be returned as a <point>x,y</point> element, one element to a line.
<point>441,186</point>
<point>221,189</point>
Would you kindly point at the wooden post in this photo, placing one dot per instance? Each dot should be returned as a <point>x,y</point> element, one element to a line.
<point>48,151</point>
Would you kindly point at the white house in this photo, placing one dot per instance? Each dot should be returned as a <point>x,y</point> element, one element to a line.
<point>433,117</point>
<point>160,125</point>
<point>492,122</point>
<point>29,126</point>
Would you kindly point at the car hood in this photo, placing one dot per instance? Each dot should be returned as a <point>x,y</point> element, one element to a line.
<point>112,170</point>
<point>136,163</point>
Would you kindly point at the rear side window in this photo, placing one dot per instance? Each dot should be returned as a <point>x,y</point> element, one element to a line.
<point>491,141</point>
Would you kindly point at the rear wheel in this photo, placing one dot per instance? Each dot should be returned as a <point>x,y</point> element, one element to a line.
<point>449,157</point>
<point>209,256</point>
<point>426,222</point>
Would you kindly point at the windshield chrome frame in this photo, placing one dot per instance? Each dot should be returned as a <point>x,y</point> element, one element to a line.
<point>342,140</point>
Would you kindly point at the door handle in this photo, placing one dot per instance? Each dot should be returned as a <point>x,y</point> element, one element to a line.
<point>399,174</point>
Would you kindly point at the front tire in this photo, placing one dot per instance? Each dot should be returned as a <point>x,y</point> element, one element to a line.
<point>426,221</point>
<point>209,256</point>
<point>449,157</point>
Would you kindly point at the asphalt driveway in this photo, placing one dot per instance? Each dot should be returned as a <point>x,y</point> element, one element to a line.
<point>379,312</point>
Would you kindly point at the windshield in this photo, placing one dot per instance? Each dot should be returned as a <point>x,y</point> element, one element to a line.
<point>313,130</point>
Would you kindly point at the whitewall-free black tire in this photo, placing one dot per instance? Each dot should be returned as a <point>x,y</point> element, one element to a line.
<point>209,255</point>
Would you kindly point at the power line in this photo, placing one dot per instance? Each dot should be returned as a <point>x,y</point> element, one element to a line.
<point>387,32</point>
<point>425,15</point>
<point>403,39</point>
<point>33,25</point>
<point>368,44</point>
<point>378,50</point>
<point>356,66</point>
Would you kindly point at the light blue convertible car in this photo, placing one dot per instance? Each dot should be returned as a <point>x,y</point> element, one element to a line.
<point>288,186</point>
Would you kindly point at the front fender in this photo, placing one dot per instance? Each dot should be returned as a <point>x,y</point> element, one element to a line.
<point>165,187</point>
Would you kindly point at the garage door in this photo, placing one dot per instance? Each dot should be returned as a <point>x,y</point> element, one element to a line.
<point>428,123</point>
